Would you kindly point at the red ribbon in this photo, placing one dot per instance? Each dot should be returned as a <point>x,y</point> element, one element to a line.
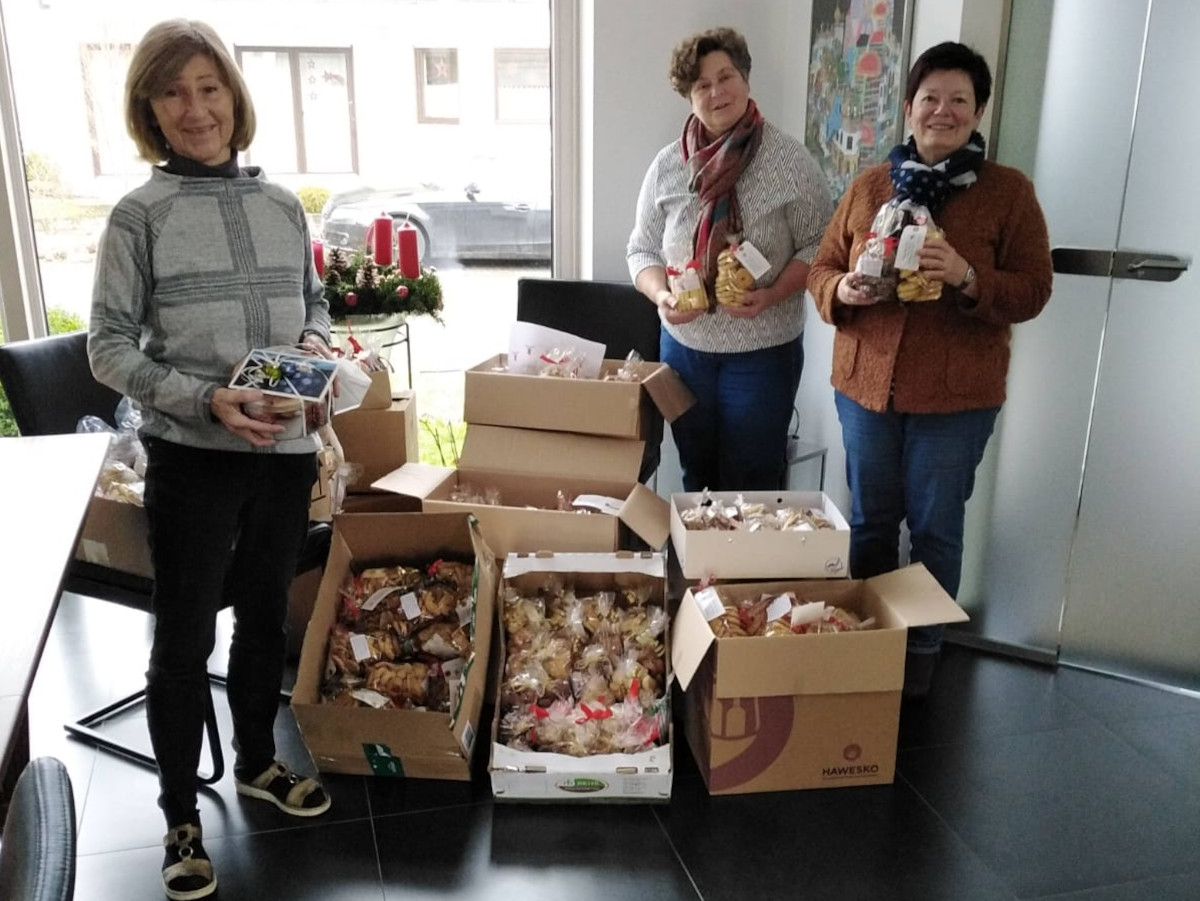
<point>590,714</point>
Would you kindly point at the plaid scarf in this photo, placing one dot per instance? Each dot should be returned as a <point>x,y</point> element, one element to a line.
<point>714,169</point>
<point>930,186</point>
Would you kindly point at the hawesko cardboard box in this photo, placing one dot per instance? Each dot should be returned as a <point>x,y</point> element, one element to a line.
<point>529,468</point>
<point>585,406</point>
<point>539,776</point>
<point>365,741</point>
<point>802,711</point>
<point>741,554</point>
<point>378,440</point>
<point>114,535</point>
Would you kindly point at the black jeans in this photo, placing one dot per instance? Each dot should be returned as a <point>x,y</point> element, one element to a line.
<point>226,529</point>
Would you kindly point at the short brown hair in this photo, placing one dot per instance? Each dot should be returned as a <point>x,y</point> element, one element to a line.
<point>951,56</point>
<point>685,58</point>
<point>160,56</point>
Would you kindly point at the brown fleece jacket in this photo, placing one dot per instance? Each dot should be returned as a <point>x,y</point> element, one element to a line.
<point>947,355</point>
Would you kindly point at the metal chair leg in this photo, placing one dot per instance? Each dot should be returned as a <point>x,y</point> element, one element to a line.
<point>84,730</point>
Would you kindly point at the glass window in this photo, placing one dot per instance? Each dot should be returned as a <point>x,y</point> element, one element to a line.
<point>437,85</point>
<point>104,68</point>
<point>457,144</point>
<point>522,85</point>
<point>304,100</point>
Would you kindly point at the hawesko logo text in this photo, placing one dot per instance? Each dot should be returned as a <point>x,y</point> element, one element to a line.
<point>854,771</point>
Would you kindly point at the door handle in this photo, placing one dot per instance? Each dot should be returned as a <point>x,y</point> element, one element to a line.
<point>1154,267</point>
<point>1082,261</point>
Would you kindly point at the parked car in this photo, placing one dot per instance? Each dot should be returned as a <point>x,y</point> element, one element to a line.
<point>470,224</point>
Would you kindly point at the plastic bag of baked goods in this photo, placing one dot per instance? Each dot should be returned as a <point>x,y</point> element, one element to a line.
<point>889,262</point>
<point>733,279</point>
<point>685,278</point>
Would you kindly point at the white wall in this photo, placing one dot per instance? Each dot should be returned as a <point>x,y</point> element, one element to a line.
<point>634,113</point>
<point>634,110</point>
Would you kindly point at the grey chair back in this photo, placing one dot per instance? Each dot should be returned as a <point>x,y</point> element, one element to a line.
<point>50,386</point>
<point>37,854</point>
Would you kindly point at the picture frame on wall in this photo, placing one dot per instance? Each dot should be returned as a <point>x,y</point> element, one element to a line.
<point>858,61</point>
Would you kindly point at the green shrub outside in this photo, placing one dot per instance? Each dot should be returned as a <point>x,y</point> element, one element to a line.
<point>313,199</point>
<point>60,322</point>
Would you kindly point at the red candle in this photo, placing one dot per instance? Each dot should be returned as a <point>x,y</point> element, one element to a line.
<point>406,240</point>
<point>319,258</point>
<point>381,240</point>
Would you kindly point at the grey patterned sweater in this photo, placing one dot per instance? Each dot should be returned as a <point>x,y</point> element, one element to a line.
<point>785,207</point>
<point>192,274</point>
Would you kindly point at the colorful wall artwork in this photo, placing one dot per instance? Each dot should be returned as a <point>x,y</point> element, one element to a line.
<point>857,65</point>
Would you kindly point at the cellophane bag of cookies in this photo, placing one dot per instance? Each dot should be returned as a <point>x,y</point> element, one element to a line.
<point>888,262</point>
<point>733,279</point>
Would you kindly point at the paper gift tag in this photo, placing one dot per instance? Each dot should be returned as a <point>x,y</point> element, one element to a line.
<point>779,608</point>
<point>709,603</point>
<point>912,239</point>
<point>751,257</point>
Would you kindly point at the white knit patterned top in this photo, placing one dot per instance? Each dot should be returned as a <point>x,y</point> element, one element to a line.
<point>785,205</point>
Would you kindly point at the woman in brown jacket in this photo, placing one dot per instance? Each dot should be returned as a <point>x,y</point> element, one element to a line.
<point>918,386</point>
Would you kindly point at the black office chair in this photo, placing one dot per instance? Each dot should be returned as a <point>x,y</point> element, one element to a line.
<point>613,313</point>
<point>50,387</point>
<point>37,854</point>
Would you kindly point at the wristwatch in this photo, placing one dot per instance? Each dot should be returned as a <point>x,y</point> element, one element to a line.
<point>967,279</point>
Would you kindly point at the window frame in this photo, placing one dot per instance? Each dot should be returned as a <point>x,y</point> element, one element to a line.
<point>420,85</point>
<point>293,52</point>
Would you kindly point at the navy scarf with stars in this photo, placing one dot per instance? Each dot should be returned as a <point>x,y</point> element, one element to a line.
<point>930,186</point>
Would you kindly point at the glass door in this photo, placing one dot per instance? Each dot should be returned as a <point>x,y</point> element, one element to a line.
<point>1096,499</point>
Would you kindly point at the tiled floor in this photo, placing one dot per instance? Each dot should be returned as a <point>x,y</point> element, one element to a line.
<point>1013,781</point>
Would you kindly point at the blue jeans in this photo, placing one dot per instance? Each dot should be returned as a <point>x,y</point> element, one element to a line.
<point>226,529</point>
<point>914,466</point>
<point>735,437</point>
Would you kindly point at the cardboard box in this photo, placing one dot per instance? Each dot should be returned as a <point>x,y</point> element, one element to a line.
<point>379,395</point>
<point>529,468</point>
<point>364,741</point>
<point>114,535</point>
<point>302,598</point>
<point>379,503</point>
<point>378,440</point>
<point>538,776</point>
<point>321,501</point>
<point>821,554</point>
<point>803,711</point>
<point>583,406</point>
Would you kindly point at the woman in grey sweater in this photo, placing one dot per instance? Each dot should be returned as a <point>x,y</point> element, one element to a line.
<point>203,263</point>
<point>732,176</point>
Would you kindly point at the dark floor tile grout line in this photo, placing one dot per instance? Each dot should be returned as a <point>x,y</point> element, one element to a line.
<point>423,810</point>
<point>678,857</point>
<point>1178,776</point>
<point>378,856</point>
<point>236,836</point>
<point>957,835</point>
<point>1085,893</point>
<point>988,738</point>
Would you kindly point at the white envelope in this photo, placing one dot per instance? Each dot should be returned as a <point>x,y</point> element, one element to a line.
<point>352,385</point>
<point>527,343</point>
